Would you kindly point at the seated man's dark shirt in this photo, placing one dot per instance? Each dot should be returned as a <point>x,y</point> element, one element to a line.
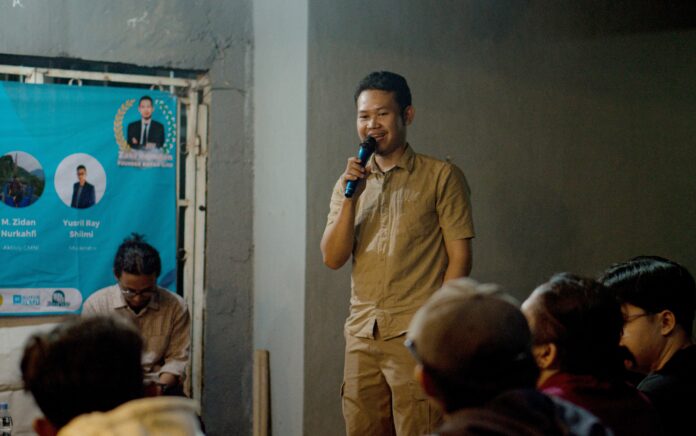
<point>672,390</point>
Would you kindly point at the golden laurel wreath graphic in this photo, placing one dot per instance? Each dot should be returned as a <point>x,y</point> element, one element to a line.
<point>118,125</point>
<point>170,125</point>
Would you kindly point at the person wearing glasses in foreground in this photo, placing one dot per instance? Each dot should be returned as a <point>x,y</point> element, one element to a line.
<point>160,315</point>
<point>474,352</point>
<point>658,301</point>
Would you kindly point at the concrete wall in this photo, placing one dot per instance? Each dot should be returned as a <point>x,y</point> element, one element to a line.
<point>228,341</point>
<point>280,187</point>
<point>573,122</point>
<point>571,119</point>
<point>200,35</point>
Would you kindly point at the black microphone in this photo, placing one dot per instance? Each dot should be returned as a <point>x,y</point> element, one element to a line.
<point>366,149</point>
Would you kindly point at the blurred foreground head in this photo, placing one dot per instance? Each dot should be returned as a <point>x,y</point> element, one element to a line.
<point>472,344</point>
<point>84,365</point>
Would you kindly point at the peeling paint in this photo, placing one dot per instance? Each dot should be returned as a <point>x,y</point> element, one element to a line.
<point>133,22</point>
<point>202,35</point>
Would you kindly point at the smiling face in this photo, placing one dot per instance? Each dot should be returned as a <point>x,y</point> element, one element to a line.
<point>379,116</point>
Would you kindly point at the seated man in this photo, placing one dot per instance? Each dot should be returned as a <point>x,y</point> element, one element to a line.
<point>160,315</point>
<point>473,348</point>
<point>658,300</point>
<point>93,365</point>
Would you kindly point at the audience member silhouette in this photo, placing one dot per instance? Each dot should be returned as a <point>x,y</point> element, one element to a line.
<point>93,365</point>
<point>658,300</point>
<point>576,328</point>
<point>473,349</point>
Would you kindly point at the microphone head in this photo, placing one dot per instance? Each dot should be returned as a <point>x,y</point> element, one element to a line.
<point>367,147</point>
<point>370,143</point>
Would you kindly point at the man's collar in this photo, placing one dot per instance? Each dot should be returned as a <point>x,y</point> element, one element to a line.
<point>117,300</point>
<point>405,161</point>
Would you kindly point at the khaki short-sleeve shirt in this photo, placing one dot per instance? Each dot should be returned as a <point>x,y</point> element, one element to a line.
<point>164,324</point>
<point>403,219</point>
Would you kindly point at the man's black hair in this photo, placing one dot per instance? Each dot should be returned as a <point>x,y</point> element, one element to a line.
<point>654,284</point>
<point>82,366</point>
<point>145,97</point>
<point>390,82</point>
<point>135,256</point>
<point>81,167</point>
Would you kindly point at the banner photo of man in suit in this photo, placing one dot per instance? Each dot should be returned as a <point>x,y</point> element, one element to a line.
<point>149,138</point>
<point>83,191</point>
<point>145,133</point>
<point>57,241</point>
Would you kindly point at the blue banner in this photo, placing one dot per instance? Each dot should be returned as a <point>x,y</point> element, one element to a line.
<point>81,168</point>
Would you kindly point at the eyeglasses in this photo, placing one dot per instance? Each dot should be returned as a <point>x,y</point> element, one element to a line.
<point>504,364</point>
<point>628,318</point>
<point>130,293</point>
<point>435,373</point>
<point>412,348</point>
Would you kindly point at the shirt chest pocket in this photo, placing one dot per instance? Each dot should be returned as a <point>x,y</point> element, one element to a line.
<point>416,219</point>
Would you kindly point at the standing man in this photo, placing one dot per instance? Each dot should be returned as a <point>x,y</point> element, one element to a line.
<point>16,191</point>
<point>83,195</point>
<point>408,227</point>
<point>161,316</point>
<point>146,133</point>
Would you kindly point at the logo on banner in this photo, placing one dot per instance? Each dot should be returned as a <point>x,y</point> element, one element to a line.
<point>39,300</point>
<point>149,141</point>
<point>26,300</point>
<point>58,299</point>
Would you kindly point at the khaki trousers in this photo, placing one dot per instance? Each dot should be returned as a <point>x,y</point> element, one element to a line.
<point>380,395</point>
